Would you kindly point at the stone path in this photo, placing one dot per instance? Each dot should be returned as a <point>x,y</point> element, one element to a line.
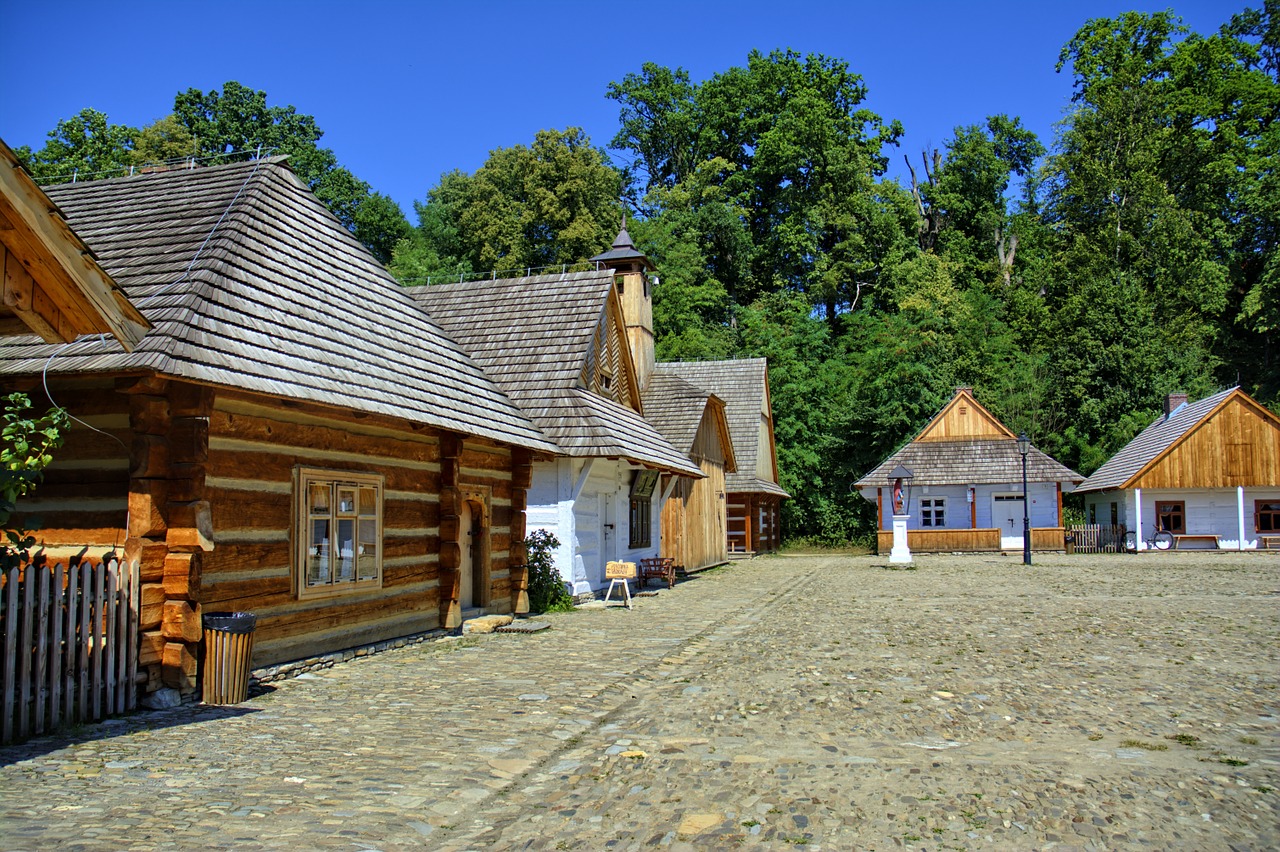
<point>1089,702</point>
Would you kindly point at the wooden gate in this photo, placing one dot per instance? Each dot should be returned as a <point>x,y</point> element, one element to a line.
<point>70,651</point>
<point>1098,538</point>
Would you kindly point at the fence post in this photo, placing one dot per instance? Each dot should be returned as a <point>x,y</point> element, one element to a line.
<point>55,662</point>
<point>24,651</point>
<point>73,609</point>
<point>10,652</point>
<point>42,640</point>
<point>108,635</point>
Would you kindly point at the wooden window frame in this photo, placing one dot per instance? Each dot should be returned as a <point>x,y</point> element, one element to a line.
<point>1272,514</point>
<point>641,520</point>
<point>305,514</point>
<point>935,510</point>
<point>1181,511</point>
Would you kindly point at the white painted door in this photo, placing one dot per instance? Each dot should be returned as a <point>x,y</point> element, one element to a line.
<point>467,590</point>
<point>608,531</point>
<point>1006,513</point>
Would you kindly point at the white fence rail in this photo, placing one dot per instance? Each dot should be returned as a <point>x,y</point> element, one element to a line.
<point>70,645</point>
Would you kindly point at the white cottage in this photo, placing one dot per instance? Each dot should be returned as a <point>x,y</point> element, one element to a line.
<point>1208,472</point>
<point>558,346</point>
<point>966,491</point>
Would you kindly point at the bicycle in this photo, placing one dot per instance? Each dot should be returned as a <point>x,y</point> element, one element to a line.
<point>1161,539</point>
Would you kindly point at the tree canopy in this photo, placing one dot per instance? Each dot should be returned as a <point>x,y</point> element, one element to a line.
<point>213,125</point>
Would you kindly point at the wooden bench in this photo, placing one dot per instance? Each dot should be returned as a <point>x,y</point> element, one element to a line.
<point>1269,542</point>
<point>1208,539</point>
<point>659,568</point>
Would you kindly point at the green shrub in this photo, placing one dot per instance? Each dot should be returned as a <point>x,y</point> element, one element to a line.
<point>547,592</point>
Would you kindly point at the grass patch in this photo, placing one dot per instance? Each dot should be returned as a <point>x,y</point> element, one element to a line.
<point>1143,744</point>
<point>1185,739</point>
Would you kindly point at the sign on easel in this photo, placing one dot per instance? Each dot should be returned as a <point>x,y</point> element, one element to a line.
<point>620,573</point>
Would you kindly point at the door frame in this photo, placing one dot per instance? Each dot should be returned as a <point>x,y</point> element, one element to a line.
<point>480,497</point>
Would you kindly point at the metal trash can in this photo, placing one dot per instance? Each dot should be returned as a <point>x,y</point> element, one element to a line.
<point>228,650</point>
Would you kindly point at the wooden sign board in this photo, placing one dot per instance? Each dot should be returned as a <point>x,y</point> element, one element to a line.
<point>620,571</point>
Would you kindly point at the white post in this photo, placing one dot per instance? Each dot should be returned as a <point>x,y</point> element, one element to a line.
<point>1240,512</point>
<point>901,552</point>
<point>1137,516</point>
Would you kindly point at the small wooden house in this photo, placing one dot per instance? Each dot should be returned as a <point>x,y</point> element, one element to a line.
<point>53,286</point>
<point>753,497</point>
<point>558,346</point>
<point>1208,472</point>
<point>294,437</point>
<point>966,490</point>
<point>695,515</point>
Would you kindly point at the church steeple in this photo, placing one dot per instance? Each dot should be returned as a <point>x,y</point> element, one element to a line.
<point>631,279</point>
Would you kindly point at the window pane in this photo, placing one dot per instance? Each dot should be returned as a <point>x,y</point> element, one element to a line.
<point>320,494</point>
<point>368,501</point>
<point>346,550</point>
<point>318,553</point>
<point>367,554</point>
<point>346,500</point>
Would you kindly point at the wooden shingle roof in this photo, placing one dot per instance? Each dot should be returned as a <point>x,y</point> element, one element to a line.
<point>743,384</point>
<point>983,461</point>
<point>535,336</point>
<point>677,408</point>
<point>1158,438</point>
<point>251,283</point>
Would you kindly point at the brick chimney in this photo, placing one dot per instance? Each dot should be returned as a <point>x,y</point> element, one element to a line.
<point>1173,402</point>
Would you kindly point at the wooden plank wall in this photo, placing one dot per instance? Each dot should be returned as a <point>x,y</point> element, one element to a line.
<point>1237,446</point>
<point>253,450</point>
<point>968,541</point>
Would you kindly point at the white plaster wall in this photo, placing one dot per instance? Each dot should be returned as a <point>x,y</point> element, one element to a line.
<point>585,544</point>
<point>1043,495</point>
<point>1209,511</point>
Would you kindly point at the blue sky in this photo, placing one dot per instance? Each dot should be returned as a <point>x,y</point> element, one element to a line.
<point>408,90</point>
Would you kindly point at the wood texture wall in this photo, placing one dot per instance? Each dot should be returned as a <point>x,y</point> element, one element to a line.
<point>1239,445</point>
<point>969,541</point>
<point>695,517</point>
<point>204,482</point>
<point>754,523</point>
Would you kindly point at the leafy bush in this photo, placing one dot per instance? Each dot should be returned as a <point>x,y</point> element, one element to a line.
<point>547,592</point>
<point>26,446</point>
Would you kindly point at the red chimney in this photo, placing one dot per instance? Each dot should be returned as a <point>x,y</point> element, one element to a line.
<point>1173,401</point>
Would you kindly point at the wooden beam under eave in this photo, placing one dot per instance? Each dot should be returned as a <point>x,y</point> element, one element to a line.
<point>19,293</point>
<point>50,249</point>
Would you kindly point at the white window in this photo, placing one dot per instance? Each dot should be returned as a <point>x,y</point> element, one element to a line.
<point>339,541</point>
<point>933,512</point>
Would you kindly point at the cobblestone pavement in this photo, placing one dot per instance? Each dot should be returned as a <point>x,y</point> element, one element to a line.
<point>1123,702</point>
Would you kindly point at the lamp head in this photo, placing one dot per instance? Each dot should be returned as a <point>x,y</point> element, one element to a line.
<point>1024,443</point>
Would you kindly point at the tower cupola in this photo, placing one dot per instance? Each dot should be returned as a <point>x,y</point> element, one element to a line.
<point>632,282</point>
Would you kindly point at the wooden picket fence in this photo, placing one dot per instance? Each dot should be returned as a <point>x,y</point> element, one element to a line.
<point>70,651</point>
<point>1099,538</point>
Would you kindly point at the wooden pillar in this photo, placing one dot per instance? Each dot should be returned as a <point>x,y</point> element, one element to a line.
<point>521,479</point>
<point>879,509</point>
<point>1059,505</point>
<point>748,528</point>
<point>450,530</point>
<point>973,510</point>
<point>170,524</point>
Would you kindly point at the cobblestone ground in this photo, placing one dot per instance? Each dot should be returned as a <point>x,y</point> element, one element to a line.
<point>1088,702</point>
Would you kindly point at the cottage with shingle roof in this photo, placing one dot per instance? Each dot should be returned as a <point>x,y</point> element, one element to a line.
<point>695,514</point>
<point>752,492</point>
<point>557,345</point>
<point>966,490</point>
<point>294,437</point>
<point>1208,472</point>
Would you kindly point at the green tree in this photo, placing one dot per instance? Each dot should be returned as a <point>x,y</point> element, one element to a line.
<point>238,119</point>
<point>163,140</point>
<point>83,147</point>
<point>555,202</point>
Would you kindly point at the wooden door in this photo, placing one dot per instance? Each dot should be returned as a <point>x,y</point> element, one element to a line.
<point>467,585</point>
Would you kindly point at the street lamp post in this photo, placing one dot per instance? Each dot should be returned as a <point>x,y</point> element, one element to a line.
<point>1024,446</point>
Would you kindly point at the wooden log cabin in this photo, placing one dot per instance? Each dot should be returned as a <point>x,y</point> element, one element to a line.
<point>294,437</point>
<point>695,514</point>
<point>1208,472</point>
<point>753,497</point>
<point>564,357</point>
<point>966,490</point>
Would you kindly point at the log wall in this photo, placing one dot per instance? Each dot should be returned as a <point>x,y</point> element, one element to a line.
<point>204,482</point>
<point>253,451</point>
